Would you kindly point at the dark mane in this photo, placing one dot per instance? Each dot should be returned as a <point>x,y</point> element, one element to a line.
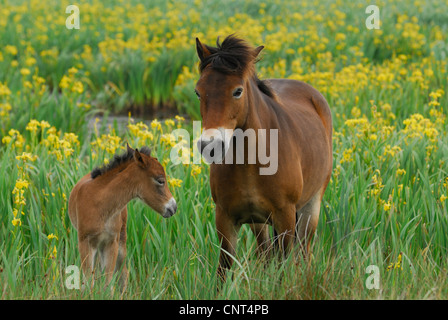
<point>265,88</point>
<point>117,161</point>
<point>234,56</point>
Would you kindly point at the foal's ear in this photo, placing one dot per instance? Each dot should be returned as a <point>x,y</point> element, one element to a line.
<point>202,50</point>
<point>129,149</point>
<point>138,157</point>
<point>258,50</point>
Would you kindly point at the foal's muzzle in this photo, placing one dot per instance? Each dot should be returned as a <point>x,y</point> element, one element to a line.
<point>170,208</point>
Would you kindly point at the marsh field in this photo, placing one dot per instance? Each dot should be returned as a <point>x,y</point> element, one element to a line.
<point>386,205</point>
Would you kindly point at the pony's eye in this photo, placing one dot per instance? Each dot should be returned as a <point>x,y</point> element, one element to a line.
<point>160,181</point>
<point>237,93</point>
<point>197,93</point>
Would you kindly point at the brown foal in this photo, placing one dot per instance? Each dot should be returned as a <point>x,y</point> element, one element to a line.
<point>97,208</point>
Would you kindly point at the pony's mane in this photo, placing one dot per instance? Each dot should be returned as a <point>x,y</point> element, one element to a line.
<point>118,160</point>
<point>234,56</point>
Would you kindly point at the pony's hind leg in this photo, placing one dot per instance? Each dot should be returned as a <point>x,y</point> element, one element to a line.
<point>306,224</point>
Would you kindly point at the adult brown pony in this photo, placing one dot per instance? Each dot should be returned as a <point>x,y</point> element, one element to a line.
<point>232,97</point>
<point>97,208</point>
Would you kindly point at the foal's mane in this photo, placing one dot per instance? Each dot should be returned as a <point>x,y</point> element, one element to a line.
<point>118,160</point>
<point>234,56</point>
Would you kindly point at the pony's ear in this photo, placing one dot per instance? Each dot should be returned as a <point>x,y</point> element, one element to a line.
<point>202,50</point>
<point>258,50</point>
<point>138,157</point>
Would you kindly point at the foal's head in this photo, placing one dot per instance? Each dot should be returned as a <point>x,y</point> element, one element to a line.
<point>224,88</point>
<point>147,176</point>
<point>152,184</point>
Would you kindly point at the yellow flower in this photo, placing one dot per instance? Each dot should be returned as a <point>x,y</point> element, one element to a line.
<point>52,236</point>
<point>6,139</point>
<point>44,124</point>
<point>340,36</point>
<point>387,206</point>
<point>15,212</point>
<point>86,106</point>
<point>392,151</point>
<point>396,265</point>
<point>32,125</point>
<point>436,94</point>
<point>30,61</point>
<point>443,198</point>
<point>347,155</point>
<point>16,222</point>
<point>25,156</point>
<point>401,172</point>
<point>169,122</point>
<point>356,112</point>
<point>4,90</point>
<point>12,50</point>
<point>179,121</point>
<point>22,184</point>
<point>168,139</point>
<point>65,82</point>
<point>72,71</point>
<point>156,124</point>
<point>24,71</point>
<point>78,87</point>
<point>173,182</point>
<point>54,253</point>
<point>195,170</point>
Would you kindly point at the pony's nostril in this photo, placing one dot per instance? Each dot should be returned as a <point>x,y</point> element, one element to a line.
<point>212,150</point>
<point>203,143</point>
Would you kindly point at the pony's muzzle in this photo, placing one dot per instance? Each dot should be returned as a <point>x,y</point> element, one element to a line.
<point>170,208</point>
<point>213,150</point>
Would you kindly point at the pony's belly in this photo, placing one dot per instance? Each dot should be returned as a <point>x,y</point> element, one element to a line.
<point>251,210</point>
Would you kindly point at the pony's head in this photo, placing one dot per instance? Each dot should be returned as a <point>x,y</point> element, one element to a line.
<point>223,89</point>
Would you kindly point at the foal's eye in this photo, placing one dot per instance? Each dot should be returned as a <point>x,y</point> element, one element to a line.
<point>237,93</point>
<point>197,93</point>
<point>160,181</point>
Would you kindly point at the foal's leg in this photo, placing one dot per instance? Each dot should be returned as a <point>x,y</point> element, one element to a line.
<point>87,253</point>
<point>307,219</point>
<point>121,258</point>
<point>227,235</point>
<point>109,256</point>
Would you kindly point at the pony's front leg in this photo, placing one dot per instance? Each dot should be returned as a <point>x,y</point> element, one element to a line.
<point>261,232</point>
<point>227,235</point>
